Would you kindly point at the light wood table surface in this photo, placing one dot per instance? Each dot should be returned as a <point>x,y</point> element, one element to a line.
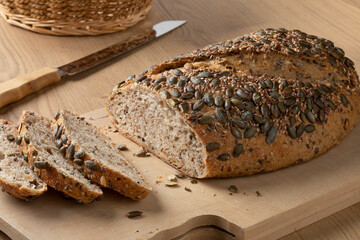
<point>209,21</point>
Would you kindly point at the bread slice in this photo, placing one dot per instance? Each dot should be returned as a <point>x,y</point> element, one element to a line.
<point>99,159</point>
<point>16,177</point>
<point>39,145</point>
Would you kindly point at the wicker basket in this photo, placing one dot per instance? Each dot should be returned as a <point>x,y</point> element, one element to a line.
<point>74,17</point>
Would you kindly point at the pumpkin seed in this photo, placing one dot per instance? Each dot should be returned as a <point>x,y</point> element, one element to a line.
<point>240,123</point>
<point>134,214</point>
<point>275,111</point>
<point>301,95</point>
<point>220,115</point>
<point>187,95</point>
<point>159,80</point>
<point>184,107</point>
<point>205,120</point>
<point>300,130</point>
<point>176,93</point>
<point>196,80</point>
<point>58,143</point>
<point>41,164</point>
<point>344,100</point>
<point>250,132</point>
<point>26,140</point>
<point>79,154</point>
<point>122,147</point>
<point>223,73</point>
<point>291,131</point>
<point>275,94</point>
<point>71,152</point>
<point>219,101</point>
<point>289,101</point>
<point>78,161</point>
<point>10,137</point>
<point>215,82</point>
<point>212,146</point>
<point>309,128</point>
<point>205,74</point>
<point>209,99</point>
<point>177,72</point>
<point>18,140</point>
<point>310,116</point>
<point>256,97</point>
<point>165,94</point>
<point>266,126</point>
<point>242,94</point>
<point>64,138</point>
<point>172,80</point>
<point>236,132</point>
<point>247,115</point>
<point>292,121</point>
<point>223,157</point>
<point>233,189</point>
<point>190,88</point>
<point>238,149</point>
<point>271,135</point>
<point>91,165</point>
<point>198,94</point>
<point>229,92</point>
<point>198,105</point>
<point>181,83</point>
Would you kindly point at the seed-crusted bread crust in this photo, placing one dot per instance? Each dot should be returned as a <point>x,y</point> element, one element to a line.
<point>11,157</point>
<point>103,174</point>
<point>60,179</point>
<point>257,103</point>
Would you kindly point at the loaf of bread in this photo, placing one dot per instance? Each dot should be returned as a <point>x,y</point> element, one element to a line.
<point>254,104</point>
<point>16,176</point>
<point>49,164</point>
<point>88,149</point>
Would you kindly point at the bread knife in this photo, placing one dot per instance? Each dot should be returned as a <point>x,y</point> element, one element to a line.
<point>17,88</point>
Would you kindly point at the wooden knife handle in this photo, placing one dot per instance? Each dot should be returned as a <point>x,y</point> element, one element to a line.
<point>17,88</point>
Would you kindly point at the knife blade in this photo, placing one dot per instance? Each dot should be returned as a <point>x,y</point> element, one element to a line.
<point>17,88</point>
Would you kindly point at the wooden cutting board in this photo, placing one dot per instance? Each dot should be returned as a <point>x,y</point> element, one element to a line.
<point>290,199</point>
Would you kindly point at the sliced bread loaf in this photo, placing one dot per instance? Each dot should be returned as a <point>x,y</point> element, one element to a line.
<point>88,148</point>
<point>16,177</point>
<point>39,145</point>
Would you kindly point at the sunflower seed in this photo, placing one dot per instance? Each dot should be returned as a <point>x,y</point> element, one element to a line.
<point>26,158</point>
<point>301,95</point>
<point>205,120</point>
<point>269,83</point>
<point>196,80</point>
<point>309,128</point>
<point>300,130</point>
<point>332,60</point>
<point>142,153</point>
<point>236,101</point>
<point>344,100</point>
<point>309,104</point>
<point>256,97</point>
<point>284,84</point>
<point>275,111</point>
<point>262,84</point>
<point>242,94</point>
<point>91,165</point>
<point>236,132</point>
<point>287,91</point>
<point>290,51</point>
<point>165,94</point>
<point>220,115</point>
<point>18,140</point>
<point>157,87</point>
<point>187,95</point>
<point>78,161</point>
<point>289,101</point>
<point>247,115</point>
<point>63,150</point>
<point>35,153</point>
<point>264,109</point>
<point>348,62</point>
<point>184,107</point>
<point>295,109</point>
<point>238,149</point>
<point>177,72</point>
<point>172,80</point>
<point>55,131</point>
<point>250,132</point>
<point>310,116</point>
<point>292,121</point>
<point>173,102</point>
<point>205,74</point>
<point>64,138</point>
<point>302,116</point>
<point>134,214</point>
<point>190,88</point>
<point>330,104</point>
<point>58,133</point>
<point>56,115</point>
<point>212,146</point>
<point>209,99</point>
<point>41,164</point>
<point>198,105</point>
<point>198,94</point>
<point>275,94</point>
<point>240,123</point>
<point>321,116</point>
<point>291,131</point>
<point>249,88</point>
<point>176,93</point>
<point>159,80</point>
<point>71,152</point>
<point>58,143</point>
<point>215,82</point>
<point>181,83</point>
<point>139,79</point>
<point>79,154</point>
<point>258,119</point>
<point>26,140</point>
<point>223,73</point>
<point>271,135</point>
<point>265,127</point>
<point>229,92</point>
<point>319,103</point>
<point>223,157</point>
<point>227,104</point>
<point>233,189</point>
<point>219,101</point>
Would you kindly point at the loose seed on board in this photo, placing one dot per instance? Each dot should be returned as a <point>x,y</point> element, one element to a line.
<point>79,154</point>
<point>91,165</point>
<point>134,214</point>
<point>71,152</point>
<point>223,157</point>
<point>238,149</point>
<point>187,189</point>
<point>212,146</point>
<point>233,189</point>
<point>122,147</point>
<point>142,153</point>
<point>18,140</point>
<point>171,184</point>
